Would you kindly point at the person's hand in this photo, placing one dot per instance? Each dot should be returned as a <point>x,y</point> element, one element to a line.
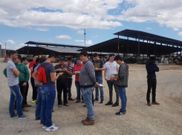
<point>96,84</point>
<point>96,68</point>
<point>24,84</point>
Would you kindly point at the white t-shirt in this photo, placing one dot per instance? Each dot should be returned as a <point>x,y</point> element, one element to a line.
<point>12,79</point>
<point>111,69</point>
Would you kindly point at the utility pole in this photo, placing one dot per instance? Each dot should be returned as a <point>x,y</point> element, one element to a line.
<point>85,40</point>
<point>5,48</point>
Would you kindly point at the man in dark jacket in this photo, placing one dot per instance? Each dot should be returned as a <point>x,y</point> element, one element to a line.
<point>122,83</point>
<point>151,68</point>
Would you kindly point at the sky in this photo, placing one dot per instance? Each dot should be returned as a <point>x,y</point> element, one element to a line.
<point>64,21</point>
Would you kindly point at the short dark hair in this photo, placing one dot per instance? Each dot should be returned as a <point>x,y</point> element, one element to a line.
<point>11,53</point>
<point>95,55</point>
<point>110,55</point>
<point>19,57</point>
<point>118,57</point>
<point>69,58</point>
<point>52,55</point>
<point>84,53</point>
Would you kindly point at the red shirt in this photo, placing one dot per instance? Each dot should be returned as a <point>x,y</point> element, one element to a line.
<point>77,68</point>
<point>31,66</point>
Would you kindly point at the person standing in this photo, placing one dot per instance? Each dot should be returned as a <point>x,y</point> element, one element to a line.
<point>151,68</point>
<point>77,67</point>
<point>110,71</point>
<point>62,83</point>
<point>23,80</point>
<point>98,64</point>
<point>32,65</point>
<point>69,72</point>
<point>13,82</point>
<point>87,83</point>
<point>122,83</point>
<point>48,93</point>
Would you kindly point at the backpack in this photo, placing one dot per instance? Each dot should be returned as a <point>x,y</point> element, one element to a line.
<point>42,74</point>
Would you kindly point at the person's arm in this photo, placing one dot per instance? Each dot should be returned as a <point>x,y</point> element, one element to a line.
<point>91,72</point>
<point>16,72</point>
<point>27,74</point>
<point>156,68</point>
<point>5,72</point>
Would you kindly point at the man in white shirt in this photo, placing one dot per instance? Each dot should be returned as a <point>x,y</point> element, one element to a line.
<point>13,83</point>
<point>110,71</point>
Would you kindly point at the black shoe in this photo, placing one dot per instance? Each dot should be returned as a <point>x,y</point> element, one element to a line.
<point>77,101</point>
<point>71,99</point>
<point>149,104</point>
<point>115,104</point>
<point>101,102</point>
<point>66,105</point>
<point>14,115</point>
<point>155,103</point>
<point>84,105</point>
<point>108,103</point>
<point>96,99</point>
<point>120,113</point>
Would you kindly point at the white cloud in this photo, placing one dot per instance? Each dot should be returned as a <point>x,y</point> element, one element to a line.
<point>81,42</point>
<point>42,29</point>
<point>180,33</point>
<point>63,37</point>
<point>11,44</point>
<point>164,12</point>
<point>69,13</point>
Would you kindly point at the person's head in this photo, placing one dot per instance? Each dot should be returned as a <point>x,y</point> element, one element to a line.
<point>152,59</point>
<point>51,58</point>
<point>34,58</point>
<point>96,56</point>
<point>18,59</point>
<point>24,61</point>
<point>119,59</point>
<point>69,60</point>
<point>111,57</point>
<point>61,61</point>
<point>84,56</point>
<point>13,55</point>
<point>78,62</point>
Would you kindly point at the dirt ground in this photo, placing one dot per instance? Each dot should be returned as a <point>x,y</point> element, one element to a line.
<point>140,119</point>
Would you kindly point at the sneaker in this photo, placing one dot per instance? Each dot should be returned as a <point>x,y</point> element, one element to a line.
<point>120,113</point>
<point>96,99</point>
<point>101,102</point>
<point>14,115</point>
<point>88,122</point>
<point>115,104</point>
<point>71,99</point>
<point>51,128</point>
<point>21,117</point>
<point>78,101</point>
<point>44,127</point>
<point>34,101</point>
<point>108,103</point>
<point>27,105</point>
<point>155,103</point>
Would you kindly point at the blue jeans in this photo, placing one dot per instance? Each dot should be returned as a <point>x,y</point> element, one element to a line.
<point>99,89</point>
<point>15,96</point>
<point>48,96</point>
<point>87,97</point>
<point>38,103</point>
<point>77,84</point>
<point>122,94</point>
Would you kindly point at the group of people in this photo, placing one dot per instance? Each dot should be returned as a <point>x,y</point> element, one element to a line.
<point>47,78</point>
